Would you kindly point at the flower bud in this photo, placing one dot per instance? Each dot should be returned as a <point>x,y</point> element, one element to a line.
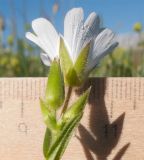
<point>55,86</point>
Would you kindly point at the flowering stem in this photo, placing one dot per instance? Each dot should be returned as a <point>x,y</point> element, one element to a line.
<point>67,100</point>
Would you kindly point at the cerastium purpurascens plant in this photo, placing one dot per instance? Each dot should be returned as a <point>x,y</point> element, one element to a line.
<point>71,59</point>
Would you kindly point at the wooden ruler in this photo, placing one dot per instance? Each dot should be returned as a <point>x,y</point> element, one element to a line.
<point>112,127</point>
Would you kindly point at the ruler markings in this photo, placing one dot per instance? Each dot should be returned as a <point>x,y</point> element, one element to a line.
<point>4,89</point>
<point>116,93</point>
<point>142,83</point>
<point>121,87</point>
<point>126,88</point>
<point>111,109</point>
<point>35,89</point>
<point>8,91</point>
<point>98,90</point>
<point>17,89</point>
<point>39,87</point>
<point>1,95</point>
<point>13,89</point>
<point>29,89</point>
<point>130,90</point>
<point>22,103</point>
<point>102,89</point>
<point>107,89</point>
<point>142,86</point>
<point>134,98</point>
<point>25,92</point>
<point>139,90</point>
<point>26,88</point>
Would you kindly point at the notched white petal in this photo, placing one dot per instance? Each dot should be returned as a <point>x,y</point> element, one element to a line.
<point>93,23</point>
<point>32,37</point>
<point>47,35</point>
<point>102,42</point>
<point>93,62</point>
<point>42,25</point>
<point>106,51</point>
<point>45,59</point>
<point>103,45</point>
<point>72,25</point>
<point>88,32</point>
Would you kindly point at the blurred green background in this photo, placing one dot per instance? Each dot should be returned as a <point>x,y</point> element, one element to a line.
<point>20,58</point>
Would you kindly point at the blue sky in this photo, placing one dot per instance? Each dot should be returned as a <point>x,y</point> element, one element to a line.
<point>119,15</point>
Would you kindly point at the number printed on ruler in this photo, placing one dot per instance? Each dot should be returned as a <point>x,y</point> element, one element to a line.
<point>20,91</point>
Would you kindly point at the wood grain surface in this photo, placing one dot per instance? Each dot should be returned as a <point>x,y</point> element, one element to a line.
<point>112,127</point>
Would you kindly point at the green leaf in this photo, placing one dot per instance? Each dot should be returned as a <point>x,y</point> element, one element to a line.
<point>48,116</point>
<point>55,86</point>
<point>58,148</point>
<point>47,142</point>
<point>65,59</point>
<point>77,107</point>
<point>81,61</point>
<point>66,140</point>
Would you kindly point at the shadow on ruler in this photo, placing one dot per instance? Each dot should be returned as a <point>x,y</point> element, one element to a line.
<point>103,135</point>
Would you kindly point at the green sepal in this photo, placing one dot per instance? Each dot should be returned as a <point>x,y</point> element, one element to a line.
<point>70,74</point>
<point>66,62</point>
<point>72,78</point>
<point>81,62</point>
<point>74,74</point>
<point>47,141</point>
<point>58,148</point>
<point>77,107</point>
<point>55,86</point>
<point>48,116</point>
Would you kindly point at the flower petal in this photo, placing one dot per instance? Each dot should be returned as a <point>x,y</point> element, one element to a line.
<point>47,35</point>
<point>93,22</point>
<point>72,24</point>
<point>96,61</point>
<point>45,59</point>
<point>88,31</point>
<point>33,38</point>
<point>103,44</point>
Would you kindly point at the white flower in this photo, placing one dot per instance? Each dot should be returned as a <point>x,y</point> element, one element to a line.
<point>77,34</point>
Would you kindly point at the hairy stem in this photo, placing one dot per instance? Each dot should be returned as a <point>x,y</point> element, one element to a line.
<point>67,100</point>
